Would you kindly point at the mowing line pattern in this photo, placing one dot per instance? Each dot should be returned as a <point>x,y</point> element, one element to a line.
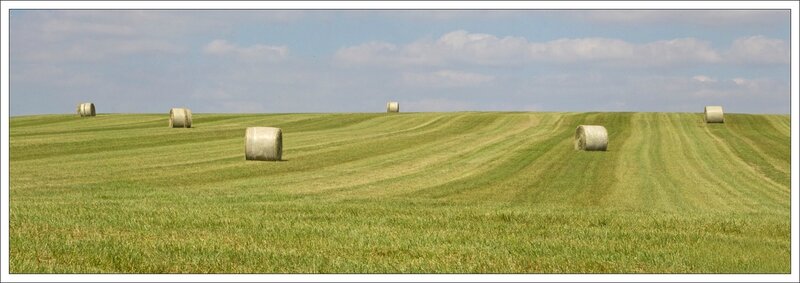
<point>463,192</point>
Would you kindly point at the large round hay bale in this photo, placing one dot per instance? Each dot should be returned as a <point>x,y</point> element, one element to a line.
<point>591,138</point>
<point>263,143</point>
<point>713,114</point>
<point>180,118</point>
<point>86,109</point>
<point>392,106</point>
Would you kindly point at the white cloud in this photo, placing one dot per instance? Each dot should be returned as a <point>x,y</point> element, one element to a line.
<point>65,27</point>
<point>73,36</point>
<point>709,18</point>
<point>131,58</point>
<point>759,50</point>
<point>258,51</point>
<point>96,49</point>
<point>681,50</point>
<point>462,47</point>
<point>446,78</point>
<point>582,49</point>
<point>374,52</point>
<point>33,74</point>
<point>747,83</point>
<point>704,79</point>
<point>139,23</point>
<point>129,47</point>
<point>90,35</point>
<point>654,92</point>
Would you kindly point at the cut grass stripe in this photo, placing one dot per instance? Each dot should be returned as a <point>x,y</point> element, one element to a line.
<point>466,192</point>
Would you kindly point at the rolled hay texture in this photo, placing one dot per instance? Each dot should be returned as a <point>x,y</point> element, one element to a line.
<point>180,118</point>
<point>713,114</point>
<point>263,143</point>
<point>392,106</point>
<point>86,109</point>
<point>591,138</point>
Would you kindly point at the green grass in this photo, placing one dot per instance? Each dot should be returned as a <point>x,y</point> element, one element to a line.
<point>474,192</point>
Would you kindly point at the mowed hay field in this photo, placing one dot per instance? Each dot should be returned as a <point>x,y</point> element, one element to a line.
<point>464,192</point>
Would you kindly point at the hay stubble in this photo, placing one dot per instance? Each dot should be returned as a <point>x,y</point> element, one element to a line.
<point>373,193</point>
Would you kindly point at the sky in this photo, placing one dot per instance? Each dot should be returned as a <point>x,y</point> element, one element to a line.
<point>300,61</point>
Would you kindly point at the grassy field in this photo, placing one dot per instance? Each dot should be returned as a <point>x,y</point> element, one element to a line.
<point>472,192</point>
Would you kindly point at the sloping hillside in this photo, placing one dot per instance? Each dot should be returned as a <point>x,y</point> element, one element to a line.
<point>472,192</point>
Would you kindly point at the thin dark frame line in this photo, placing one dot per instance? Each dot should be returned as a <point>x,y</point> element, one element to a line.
<point>8,31</point>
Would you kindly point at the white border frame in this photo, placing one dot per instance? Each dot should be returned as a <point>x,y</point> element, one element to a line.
<point>4,171</point>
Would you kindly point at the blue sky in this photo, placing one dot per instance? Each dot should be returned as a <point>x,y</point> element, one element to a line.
<point>257,61</point>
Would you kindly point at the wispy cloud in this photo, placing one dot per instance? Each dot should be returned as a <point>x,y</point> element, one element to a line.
<point>704,79</point>
<point>81,36</point>
<point>759,50</point>
<point>97,49</point>
<point>709,18</point>
<point>462,47</point>
<point>255,52</point>
<point>446,78</point>
<point>320,60</point>
<point>753,85</point>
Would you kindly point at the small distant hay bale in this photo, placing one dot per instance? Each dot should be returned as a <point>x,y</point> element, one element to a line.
<point>392,106</point>
<point>591,138</point>
<point>86,109</point>
<point>180,118</point>
<point>263,143</point>
<point>713,114</point>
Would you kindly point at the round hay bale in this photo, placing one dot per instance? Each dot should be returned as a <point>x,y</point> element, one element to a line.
<point>392,106</point>
<point>180,118</point>
<point>713,114</point>
<point>591,138</point>
<point>263,143</point>
<point>86,109</point>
